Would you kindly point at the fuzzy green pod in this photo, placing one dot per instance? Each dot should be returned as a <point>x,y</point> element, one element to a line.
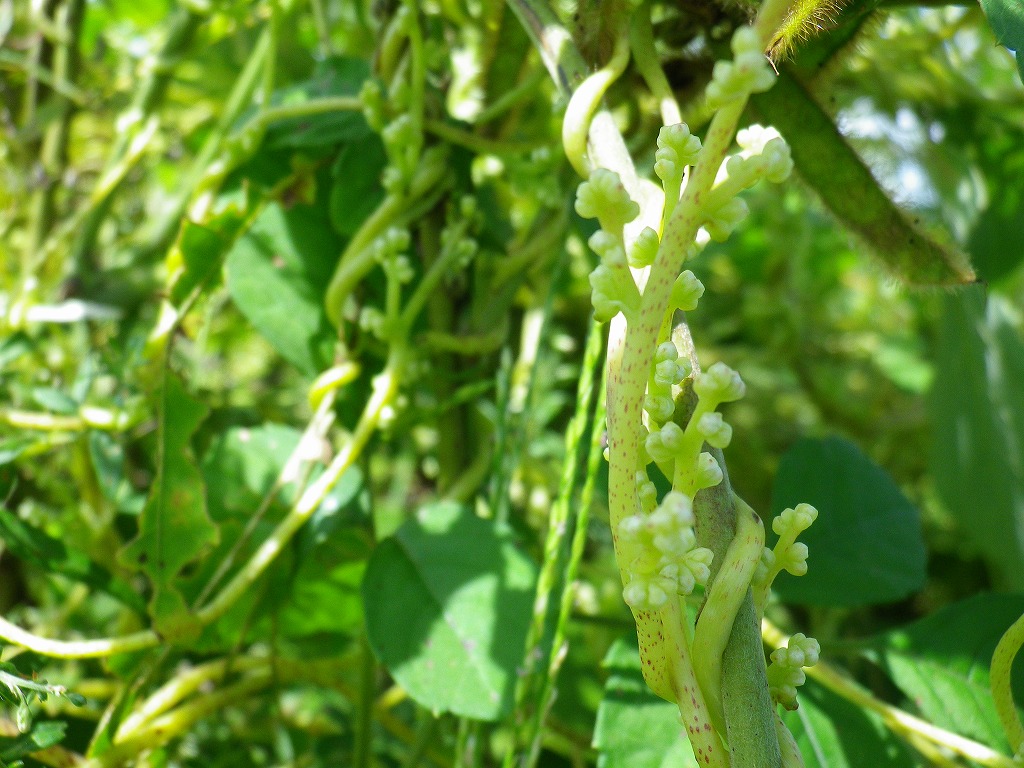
<point>847,187</point>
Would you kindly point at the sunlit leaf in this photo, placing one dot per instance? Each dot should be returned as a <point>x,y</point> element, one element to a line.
<point>448,598</point>
<point>833,733</point>
<point>635,728</point>
<point>977,414</point>
<point>277,272</point>
<point>174,528</point>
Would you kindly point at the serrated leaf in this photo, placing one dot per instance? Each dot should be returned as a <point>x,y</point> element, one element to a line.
<point>833,733</point>
<point>174,528</point>
<point>448,598</point>
<point>942,664</point>
<point>277,273</point>
<point>55,556</point>
<point>866,546</point>
<point>977,413</point>
<point>635,728</point>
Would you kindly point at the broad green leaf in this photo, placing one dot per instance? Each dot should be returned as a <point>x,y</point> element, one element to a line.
<point>59,557</point>
<point>334,76</point>
<point>866,545</point>
<point>277,273</point>
<point>1007,20</point>
<point>174,528</point>
<point>198,255</point>
<point>241,465</point>
<point>356,188</point>
<point>941,663</point>
<point>42,736</point>
<point>996,241</point>
<point>977,414</point>
<point>635,728</point>
<point>448,601</point>
<point>847,187</point>
<point>833,733</point>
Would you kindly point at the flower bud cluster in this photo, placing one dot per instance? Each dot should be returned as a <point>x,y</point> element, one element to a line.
<point>612,286</point>
<point>677,148</point>
<point>644,249</point>
<point>603,197</point>
<point>719,384</point>
<point>402,144</point>
<point>388,250</point>
<point>667,559</point>
<point>791,555</point>
<point>679,450</point>
<point>786,672</point>
<point>748,72</point>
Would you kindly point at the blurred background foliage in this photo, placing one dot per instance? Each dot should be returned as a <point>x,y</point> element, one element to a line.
<point>124,121</point>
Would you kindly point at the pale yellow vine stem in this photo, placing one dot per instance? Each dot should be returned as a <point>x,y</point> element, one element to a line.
<point>899,722</point>
<point>1000,681</point>
<point>585,101</point>
<point>716,619</point>
<point>693,709</point>
<point>385,387</point>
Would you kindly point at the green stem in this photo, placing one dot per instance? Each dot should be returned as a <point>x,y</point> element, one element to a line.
<point>181,30</point>
<point>645,56</point>
<point>1001,682</point>
<point>548,580</point>
<point>898,721</point>
<point>385,387</point>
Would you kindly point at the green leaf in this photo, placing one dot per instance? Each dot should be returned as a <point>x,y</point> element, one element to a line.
<point>941,663</point>
<point>996,241</point>
<point>277,273</point>
<point>847,187</point>
<point>833,733</point>
<point>356,188</point>
<point>42,736</point>
<point>198,254</point>
<point>448,600</point>
<point>977,413</point>
<point>866,545</point>
<point>241,465</point>
<point>174,528</point>
<point>635,728</point>
<point>1007,20</point>
<point>334,76</point>
<point>55,556</point>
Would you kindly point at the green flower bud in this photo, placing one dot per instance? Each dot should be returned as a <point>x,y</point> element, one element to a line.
<point>684,146</point>
<point>715,431</point>
<point>645,249</point>
<point>686,291</point>
<point>603,197</point>
<point>709,474</point>
<point>748,72</point>
<point>723,220</point>
<point>660,407</point>
<point>719,384</point>
<point>791,522</point>
<point>786,674</point>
